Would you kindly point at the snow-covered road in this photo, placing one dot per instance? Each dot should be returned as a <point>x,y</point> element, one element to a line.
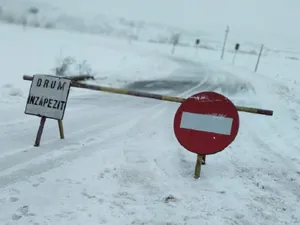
<point>120,161</point>
<point>94,119</point>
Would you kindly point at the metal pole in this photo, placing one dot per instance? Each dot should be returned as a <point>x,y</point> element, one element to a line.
<point>196,52</point>
<point>258,59</point>
<point>151,95</point>
<point>224,43</point>
<point>234,56</point>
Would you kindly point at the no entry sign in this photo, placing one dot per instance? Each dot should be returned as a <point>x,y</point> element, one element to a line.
<point>206,123</point>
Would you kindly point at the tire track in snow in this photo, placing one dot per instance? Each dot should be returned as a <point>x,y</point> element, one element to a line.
<point>286,174</point>
<point>269,179</point>
<point>113,130</point>
<point>82,119</point>
<point>70,110</point>
<point>31,152</point>
<point>71,153</point>
<point>137,123</point>
<point>152,163</point>
<point>28,118</point>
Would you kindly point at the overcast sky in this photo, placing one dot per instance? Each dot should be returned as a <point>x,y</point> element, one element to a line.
<point>259,18</point>
<point>194,13</point>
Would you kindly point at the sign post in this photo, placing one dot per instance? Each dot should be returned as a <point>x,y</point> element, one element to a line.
<point>48,96</point>
<point>236,49</point>
<point>206,123</point>
<point>197,45</point>
<point>61,129</point>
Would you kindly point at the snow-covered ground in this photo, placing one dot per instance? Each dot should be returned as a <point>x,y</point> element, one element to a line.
<point>120,160</point>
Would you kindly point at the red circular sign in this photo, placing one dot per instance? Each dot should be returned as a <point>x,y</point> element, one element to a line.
<point>206,123</point>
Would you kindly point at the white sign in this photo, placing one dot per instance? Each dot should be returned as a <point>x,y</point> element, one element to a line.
<point>207,123</point>
<point>48,96</point>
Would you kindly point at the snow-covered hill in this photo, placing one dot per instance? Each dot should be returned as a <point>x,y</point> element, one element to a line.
<point>251,23</point>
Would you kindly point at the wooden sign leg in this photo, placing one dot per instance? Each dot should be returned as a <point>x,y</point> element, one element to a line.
<point>40,132</point>
<point>198,166</point>
<point>61,129</point>
<point>204,160</point>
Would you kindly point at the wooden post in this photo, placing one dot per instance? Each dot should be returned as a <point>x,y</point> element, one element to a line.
<point>61,129</point>
<point>198,166</point>
<point>234,56</point>
<point>204,160</point>
<point>40,132</point>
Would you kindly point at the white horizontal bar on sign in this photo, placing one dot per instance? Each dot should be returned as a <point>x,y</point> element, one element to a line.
<point>206,123</point>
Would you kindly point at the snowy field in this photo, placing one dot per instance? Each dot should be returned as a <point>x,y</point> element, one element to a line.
<point>120,161</point>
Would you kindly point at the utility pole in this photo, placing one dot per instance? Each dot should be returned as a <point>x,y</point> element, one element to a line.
<point>225,40</point>
<point>258,59</point>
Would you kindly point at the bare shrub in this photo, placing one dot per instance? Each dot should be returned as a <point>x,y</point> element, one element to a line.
<point>8,18</point>
<point>174,39</point>
<point>49,25</point>
<point>33,10</point>
<point>24,21</point>
<point>63,66</point>
<point>68,67</point>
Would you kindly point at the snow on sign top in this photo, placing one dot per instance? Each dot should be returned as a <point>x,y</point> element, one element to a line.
<point>48,96</point>
<point>206,123</point>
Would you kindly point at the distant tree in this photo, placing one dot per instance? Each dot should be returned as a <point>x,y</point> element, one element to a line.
<point>175,38</point>
<point>49,25</point>
<point>84,68</point>
<point>131,35</point>
<point>24,21</point>
<point>33,10</point>
<point>62,69</point>
<point>139,26</point>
